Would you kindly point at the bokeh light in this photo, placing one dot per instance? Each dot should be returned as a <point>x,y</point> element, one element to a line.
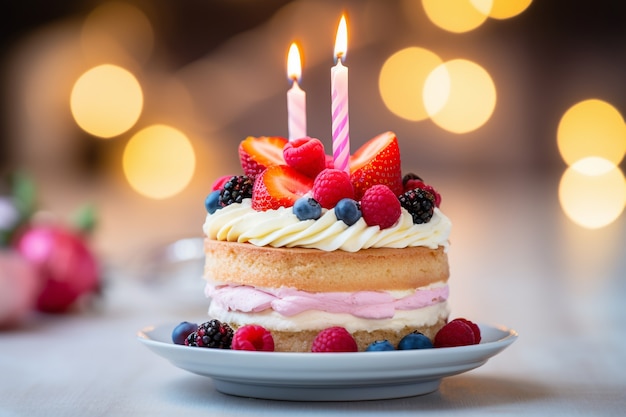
<point>116,31</point>
<point>457,16</point>
<point>505,9</point>
<point>592,128</point>
<point>106,101</point>
<point>593,200</point>
<point>159,161</point>
<point>459,96</point>
<point>401,81</point>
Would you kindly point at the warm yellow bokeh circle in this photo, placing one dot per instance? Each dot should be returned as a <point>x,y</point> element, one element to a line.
<point>592,128</point>
<point>106,101</point>
<point>457,16</point>
<point>159,161</point>
<point>401,81</point>
<point>459,96</point>
<point>505,9</point>
<point>593,199</point>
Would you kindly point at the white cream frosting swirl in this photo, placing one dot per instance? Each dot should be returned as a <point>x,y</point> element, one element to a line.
<point>281,228</point>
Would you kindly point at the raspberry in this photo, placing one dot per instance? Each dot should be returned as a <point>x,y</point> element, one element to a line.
<point>334,339</point>
<point>305,155</point>
<point>455,333</point>
<point>330,186</point>
<point>380,206</point>
<point>475,328</point>
<point>236,189</point>
<point>419,203</point>
<point>212,334</point>
<point>253,337</point>
<point>412,181</point>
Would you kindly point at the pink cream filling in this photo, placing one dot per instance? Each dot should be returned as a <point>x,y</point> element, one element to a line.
<point>289,302</point>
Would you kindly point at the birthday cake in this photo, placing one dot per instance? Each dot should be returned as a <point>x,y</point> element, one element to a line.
<point>296,246</point>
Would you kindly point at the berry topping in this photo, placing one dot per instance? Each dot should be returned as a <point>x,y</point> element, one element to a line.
<point>236,189</point>
<point>455,333</point>
<point>279,186</point>
<point>377,162</point>
<point>334,339</point>
<point>475,328</point>
<point>306,208</point>
<point>253,337</point>
<point>212,202</point>
<point>212,334</point>
<point>379,346</point>
<point>412,181</point>
<point>182,330</point>
<point>218,184</point>
<point>415,340</point>
<point>330,186</point>
<point>348,211</point>
<point>256,154</point>
<point>419,203</point>
<point>306,155</point>
<point>380,207</point>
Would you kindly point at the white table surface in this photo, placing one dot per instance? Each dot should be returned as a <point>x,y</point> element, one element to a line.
<point>515,261</point>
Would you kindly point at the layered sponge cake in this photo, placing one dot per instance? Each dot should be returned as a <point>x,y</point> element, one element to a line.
<point>296,245</point>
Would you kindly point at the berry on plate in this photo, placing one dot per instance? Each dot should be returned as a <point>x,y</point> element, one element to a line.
<point>377,162</point>
<point>182,331</point>
<point>258,153</point>
<point>380,207</point>
<point>279,186</point>
<point>379,346</point>
<point>415,340</point>
<point>334,339</point>
<point>211,334</point>
<point>456,333</point>
<point>253,337</point>
<point>330,186</point>
<point>305,155</point>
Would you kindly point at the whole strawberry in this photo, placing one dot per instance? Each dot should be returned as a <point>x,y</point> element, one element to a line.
<point>380,207</point>
<point>305,155</point>
<point>334,339</point>
<point>330,186</point>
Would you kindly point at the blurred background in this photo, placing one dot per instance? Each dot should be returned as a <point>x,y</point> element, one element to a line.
<point>137,106</point>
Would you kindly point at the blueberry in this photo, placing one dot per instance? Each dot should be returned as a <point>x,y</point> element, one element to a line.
<point>415,340</point>
<point>348,210</point>
<point>379,346</point>
<point>212,202</point>
<point>180,332</point>
<point>307,208</point>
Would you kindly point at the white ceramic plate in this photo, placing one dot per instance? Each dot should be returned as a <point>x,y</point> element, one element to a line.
<point>327,376</point>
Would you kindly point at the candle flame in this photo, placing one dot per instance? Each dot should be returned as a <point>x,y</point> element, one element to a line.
<point>341,41</point>
<point>294,64</point>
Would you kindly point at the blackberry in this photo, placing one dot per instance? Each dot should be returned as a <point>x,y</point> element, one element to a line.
<point>235,190</point>
<point>420,203</point>
<point>212,334</point>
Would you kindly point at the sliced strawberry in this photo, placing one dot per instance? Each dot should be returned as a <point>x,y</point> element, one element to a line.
<point>377,162</point>
<point>258,153</point>
<point>279,186</point>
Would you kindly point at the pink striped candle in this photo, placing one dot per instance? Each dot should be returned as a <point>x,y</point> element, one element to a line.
<point>296,97</point>
<point>339,102</point>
